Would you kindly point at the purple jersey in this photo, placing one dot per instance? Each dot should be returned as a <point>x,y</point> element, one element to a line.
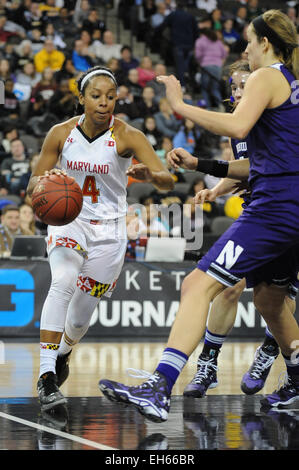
<point>242,149</point>
<point>262,245</point>
<point>275,137</point>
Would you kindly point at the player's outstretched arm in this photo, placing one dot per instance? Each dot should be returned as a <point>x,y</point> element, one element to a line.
<point>134,141</point>
<point>234,169</point>
<point>259,90</point>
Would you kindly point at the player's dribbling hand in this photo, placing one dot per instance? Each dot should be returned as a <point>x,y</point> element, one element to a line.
<point>180,158</point>
<point>54,171</point>
<point>204,195</point>
<point>140,172</point>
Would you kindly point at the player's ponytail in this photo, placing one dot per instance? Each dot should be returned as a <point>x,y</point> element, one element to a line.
<point>293,62</point>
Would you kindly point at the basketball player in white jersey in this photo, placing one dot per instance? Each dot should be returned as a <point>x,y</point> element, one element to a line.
<point>86,256</point>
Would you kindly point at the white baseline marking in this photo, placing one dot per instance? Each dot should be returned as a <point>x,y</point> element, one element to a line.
<point>56,432</point>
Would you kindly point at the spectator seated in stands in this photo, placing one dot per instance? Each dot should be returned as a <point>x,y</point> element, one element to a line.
<point>46,87</point>
<point>28,76</point>
<point>10,29</point>
<point>15,166</point>
<point>125,107</point>
<point>82,10</point>
<point>6,71</point>
<point>9,228</point>
<point>109,48</point>
<point>207,5</point>
<point>49,9</point>
<point>48,56</point>
<point>166,121</point>
<point>27,220</point>
<point>145,71</point>
<point>133,85</point>
<point>11,104</point>
<point>147,105</point>
<point>63,103</point>
<point>93,22</point>
<point>127,61</point>
<point>230,36</point>
<point>93,48</point>
<point>64,25</point>
<point>24,54</point>
<point>10,133</point>
<point>151,132</point>
<point>80,57</point>
<point>67,71</point>
<point>187,136</point>
<point>50,33</point>
<point>240,19</point>
<point>33,18</point>
<point>113,65</point>
<point>216,17</point>
<point>36,41</point>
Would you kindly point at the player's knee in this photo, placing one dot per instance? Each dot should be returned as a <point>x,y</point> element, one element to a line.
<point>199,283</point>
<point>64,281</point>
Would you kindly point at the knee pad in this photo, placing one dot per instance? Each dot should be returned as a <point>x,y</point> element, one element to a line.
<point>90,286</point>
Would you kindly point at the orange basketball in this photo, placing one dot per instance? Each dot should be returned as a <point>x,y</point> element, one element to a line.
<point>57,200</point>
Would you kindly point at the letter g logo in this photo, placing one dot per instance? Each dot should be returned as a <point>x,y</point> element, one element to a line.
<point>22,300</point>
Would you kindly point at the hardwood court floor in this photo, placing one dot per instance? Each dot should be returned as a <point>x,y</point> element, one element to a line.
<point>225,419</point>
<point>91,362</point>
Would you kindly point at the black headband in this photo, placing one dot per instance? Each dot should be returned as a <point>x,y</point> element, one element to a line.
<point>263,29</point>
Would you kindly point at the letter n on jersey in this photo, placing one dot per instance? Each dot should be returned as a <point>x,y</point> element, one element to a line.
<point>229,254</point>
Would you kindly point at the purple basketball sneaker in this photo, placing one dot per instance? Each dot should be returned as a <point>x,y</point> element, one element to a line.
<point>254,380</point>
<point>152,398</point>
<point>205,377</point>
<point>286,395</point>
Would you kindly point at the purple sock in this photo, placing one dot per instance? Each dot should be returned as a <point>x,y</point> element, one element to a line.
<point>171,365</point>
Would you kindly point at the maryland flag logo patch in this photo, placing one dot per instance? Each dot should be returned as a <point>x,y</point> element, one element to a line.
<point>70,243</point>
<point>92,287</point>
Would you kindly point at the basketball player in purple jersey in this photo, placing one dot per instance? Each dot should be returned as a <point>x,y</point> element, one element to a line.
<point>224,307</point>
<point>261,244</point>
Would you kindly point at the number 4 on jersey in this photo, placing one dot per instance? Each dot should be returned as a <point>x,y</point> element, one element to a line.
<point>90,189</point>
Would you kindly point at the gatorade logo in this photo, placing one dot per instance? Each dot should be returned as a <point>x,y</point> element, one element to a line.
<point>229,254</point>
<point>22,298</point>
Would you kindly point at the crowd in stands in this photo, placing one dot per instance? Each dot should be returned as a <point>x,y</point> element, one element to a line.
<point>46,45</point>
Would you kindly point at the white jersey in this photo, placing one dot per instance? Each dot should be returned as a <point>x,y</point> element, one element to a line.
<point>99,171</point>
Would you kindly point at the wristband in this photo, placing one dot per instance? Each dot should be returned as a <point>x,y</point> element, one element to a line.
<point>213,167</point>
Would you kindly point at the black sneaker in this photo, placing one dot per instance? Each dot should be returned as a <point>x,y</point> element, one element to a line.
<point>205,377</point>
<point>48,391</point>
<point>62,368</point>
<point>286,395</point>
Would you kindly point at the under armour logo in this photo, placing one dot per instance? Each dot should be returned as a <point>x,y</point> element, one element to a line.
<point>109,143</point>
<point>70,139</point>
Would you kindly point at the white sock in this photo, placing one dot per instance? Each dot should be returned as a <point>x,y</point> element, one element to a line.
<point>48,356</point>
<point>65,346</point>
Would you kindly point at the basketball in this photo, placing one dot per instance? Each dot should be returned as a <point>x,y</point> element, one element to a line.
<point>57,200</point>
